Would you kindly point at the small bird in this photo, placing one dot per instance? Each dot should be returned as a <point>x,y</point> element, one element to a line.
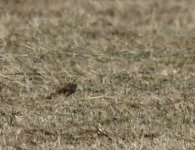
<point>68,89</point>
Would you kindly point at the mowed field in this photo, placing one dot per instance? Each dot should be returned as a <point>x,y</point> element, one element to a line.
<point>133,62</point>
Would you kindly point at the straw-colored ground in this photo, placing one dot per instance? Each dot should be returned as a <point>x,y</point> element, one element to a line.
<point>133,61</point>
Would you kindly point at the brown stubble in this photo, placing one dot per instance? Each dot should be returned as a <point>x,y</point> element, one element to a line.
<point>134,65</point>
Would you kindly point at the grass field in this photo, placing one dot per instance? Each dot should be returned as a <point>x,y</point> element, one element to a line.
<point>133,62</point>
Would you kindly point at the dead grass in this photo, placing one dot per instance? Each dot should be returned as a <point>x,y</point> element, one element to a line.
<point>133,61</point>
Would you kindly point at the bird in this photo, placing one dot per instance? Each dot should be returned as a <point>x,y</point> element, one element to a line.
<point>67,89</point>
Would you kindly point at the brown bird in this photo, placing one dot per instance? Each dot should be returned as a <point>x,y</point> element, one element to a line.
<point>68,89</point>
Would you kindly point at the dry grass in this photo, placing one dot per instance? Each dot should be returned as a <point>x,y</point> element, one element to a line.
<point>133,61</point>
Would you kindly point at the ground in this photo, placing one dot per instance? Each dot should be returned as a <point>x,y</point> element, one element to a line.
<point>133,62</point>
